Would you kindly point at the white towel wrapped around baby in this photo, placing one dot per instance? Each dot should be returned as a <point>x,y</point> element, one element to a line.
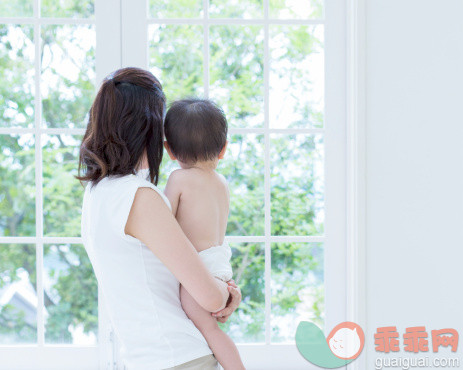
<point>217,260</point>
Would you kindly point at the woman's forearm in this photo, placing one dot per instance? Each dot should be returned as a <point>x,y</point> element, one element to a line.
<point>223,288</point>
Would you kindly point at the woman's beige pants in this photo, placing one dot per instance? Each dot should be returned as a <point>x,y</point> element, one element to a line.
<point>207,362</point>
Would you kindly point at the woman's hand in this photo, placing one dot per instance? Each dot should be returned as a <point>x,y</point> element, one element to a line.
<point>232,304</point>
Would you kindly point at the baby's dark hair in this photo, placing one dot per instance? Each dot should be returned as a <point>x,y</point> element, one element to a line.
<point>195,129</point>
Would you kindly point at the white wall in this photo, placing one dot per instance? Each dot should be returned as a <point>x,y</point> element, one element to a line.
<point>414,167</point>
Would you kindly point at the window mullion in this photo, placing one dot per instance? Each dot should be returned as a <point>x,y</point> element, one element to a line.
<point>231,130</point>
<point>134,35</point>
<point>267,187</point>
<point>238,21</point>
<point>108,37</point>
<point>206,48</point>
<point>38,178</point>
<point>110,22</point>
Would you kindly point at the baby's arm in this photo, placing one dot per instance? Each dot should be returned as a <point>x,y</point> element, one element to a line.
<point>222,346</point>
<point>173,190</point>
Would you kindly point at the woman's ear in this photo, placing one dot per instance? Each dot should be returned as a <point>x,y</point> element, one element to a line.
<point>169,151</point>
<point>224,149</point>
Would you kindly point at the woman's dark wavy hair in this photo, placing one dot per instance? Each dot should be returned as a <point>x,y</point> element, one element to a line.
<point>125,119</point>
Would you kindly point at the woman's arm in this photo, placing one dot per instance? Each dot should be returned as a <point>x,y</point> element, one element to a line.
<point>151,222</point>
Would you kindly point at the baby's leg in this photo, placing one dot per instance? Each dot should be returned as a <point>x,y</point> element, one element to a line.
<point>220,343</point>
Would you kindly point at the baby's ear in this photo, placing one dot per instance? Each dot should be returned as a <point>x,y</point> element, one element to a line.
<point>169,151</point>
<point>224,149</point>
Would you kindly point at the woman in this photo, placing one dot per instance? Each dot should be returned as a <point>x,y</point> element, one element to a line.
<point>137,249</point>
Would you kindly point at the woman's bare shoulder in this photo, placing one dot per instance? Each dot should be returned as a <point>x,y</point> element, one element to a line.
<point>147,204</point>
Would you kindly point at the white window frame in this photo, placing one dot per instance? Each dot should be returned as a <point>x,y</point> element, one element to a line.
<point>123,42</point>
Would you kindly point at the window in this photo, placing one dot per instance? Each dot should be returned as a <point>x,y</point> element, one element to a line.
<point>277,69</point>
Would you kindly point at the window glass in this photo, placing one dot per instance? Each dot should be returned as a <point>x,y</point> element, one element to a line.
<point>296,76</point>
<point>236,73</point>
<point>68,74</point>
<point>62,193</point>
<point>176,58</point>
<point>18,301</point>
<point>17,185</point>
<point>297,288</point>
<point>70,296</point>
<point>67,8</point>
<point>296,9</point>
<point>17,71</point>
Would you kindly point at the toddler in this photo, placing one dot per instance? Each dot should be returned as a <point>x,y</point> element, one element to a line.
<point>196,136</point>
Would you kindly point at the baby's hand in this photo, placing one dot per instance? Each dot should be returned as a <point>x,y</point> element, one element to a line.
<point>235,295</point>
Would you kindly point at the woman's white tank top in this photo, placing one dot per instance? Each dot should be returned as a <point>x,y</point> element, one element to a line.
<point>141,294</point>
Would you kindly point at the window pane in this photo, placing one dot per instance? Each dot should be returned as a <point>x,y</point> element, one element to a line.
<point>18,298</point>
<point>176,9</point>
<point>70,296</point>
<point>68,8</point>
<point>297,184</point>
<point>16,8</point>
<point>247,324</point>
<point>17,71</point>
<point>296,76</point>
<point>243,167</point>
<point>176,58</point>
<point>296,9</point>
<point>297,288</point>
<point>17,185</point>
<point>62,193</point>
<point>236,73</point>
<point>236,8</point>
<point>68,74</point>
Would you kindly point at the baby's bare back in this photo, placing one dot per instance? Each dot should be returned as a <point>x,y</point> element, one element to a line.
<point>203,207</point>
